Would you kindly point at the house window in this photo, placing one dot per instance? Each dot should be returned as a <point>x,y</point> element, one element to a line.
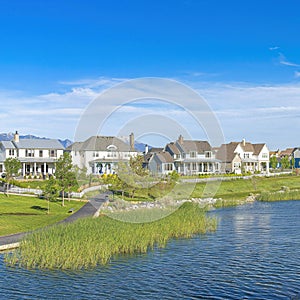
<point>236,165</point>
<point>194,166</point>
<point>177,156</point>
<point>41,153</point>
<point>29,153</point>
<point>193,154</point>
<point>265,155</point>
<point>207,154</point>
<point>168,167</point>
<point>246,155</point>
<point>11,152</point>
<point>52,153</point>
<point>95,154</point>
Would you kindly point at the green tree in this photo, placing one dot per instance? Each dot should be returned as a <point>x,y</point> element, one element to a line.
<point>64,173</point>
<point>50,191</point>
<point>273,162</point>
<point>293,163</point>
<point>136,165</point>
<point>12,166</point>
<point>285,163</point>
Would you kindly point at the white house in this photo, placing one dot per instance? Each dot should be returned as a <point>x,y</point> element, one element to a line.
<point>193,157</point>
<point>37,156</point>
<point>101,154</point>
<point>244,156</point>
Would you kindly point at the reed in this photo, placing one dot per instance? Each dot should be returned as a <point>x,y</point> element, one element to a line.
<point>89,242</point>
<point>279,196</point>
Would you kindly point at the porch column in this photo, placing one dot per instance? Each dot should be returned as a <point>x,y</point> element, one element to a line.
<point>45,168</point>
<point>34,168</point>
<point>24,171</point>
<point>213,167</point>
<point>95,168</point>
<point>268,168</point>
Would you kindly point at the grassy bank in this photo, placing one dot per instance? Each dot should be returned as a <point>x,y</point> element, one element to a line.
<point>20,213</point>
<point>89,242</point>
<point>283,194</point>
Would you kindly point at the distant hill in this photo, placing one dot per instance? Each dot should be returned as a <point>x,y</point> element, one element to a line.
<point>137,145</point>
<point>9,136</point>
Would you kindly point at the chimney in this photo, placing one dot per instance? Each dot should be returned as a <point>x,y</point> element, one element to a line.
<point>244,142</point>
<point>131,141</point>
<point>146,149</point>
<point>16,137</point>
<point>180,140</point>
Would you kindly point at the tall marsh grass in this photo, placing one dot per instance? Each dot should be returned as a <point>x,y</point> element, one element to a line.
<point>279,196</point>
<point>90,242</point>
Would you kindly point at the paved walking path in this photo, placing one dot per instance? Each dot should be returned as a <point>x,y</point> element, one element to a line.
<point>88,210</point>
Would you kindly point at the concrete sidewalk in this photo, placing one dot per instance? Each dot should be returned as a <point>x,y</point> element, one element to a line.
<point>88,210</point>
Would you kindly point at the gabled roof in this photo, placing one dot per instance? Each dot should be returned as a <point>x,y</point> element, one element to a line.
<point>226,152</point>
<point>258,148</point>
<point>39,144</point>
<point>164,157</point>
<point>8,145</point>
<point>191,145</point>
<point>287,152</point>
<point>173,148</point>
<point>248,147</point>
<point>155,149</point>
<point>100,143</point>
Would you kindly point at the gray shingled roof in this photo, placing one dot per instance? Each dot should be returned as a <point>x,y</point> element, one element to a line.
<point>8,145</point>
<point>39,144</point>
<point>199,146</point>
<point>100,143</point>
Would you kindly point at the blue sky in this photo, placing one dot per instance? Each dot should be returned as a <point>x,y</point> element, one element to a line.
<point>241,56</point>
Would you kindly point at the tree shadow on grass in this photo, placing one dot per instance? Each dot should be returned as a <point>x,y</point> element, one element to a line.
<point>37,207</point>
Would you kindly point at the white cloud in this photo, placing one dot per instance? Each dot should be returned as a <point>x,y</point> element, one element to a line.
<point>297,74</point>
<point>284,61</point>
<point>262,113</point>
<point>274,48</point>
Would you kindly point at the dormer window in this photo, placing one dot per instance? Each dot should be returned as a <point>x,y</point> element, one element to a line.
<point>11,152</point>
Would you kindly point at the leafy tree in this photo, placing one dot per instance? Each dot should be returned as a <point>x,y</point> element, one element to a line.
<point>65,174</point>
<point>136,165</point>
<point>293,163</point>
<point>273,162</point>
<point>50,191</point>
<point>285,163</point>
<point>12,166</point>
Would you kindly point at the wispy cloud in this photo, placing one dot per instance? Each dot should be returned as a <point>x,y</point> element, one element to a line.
<point>244,110</point>
<point>297,74</point>
<point>274,48</point>
<point>284,61</point>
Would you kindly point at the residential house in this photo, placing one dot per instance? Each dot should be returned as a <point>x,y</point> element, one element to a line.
<point>238,157</point>
<point>101,154</point>
<point>161,163</point>
<point>193,157</point>
<point>37,156</point>
<point>296,156</point>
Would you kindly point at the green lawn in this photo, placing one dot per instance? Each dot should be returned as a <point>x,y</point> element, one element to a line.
<point>20,213</point>
<point>241,188</point>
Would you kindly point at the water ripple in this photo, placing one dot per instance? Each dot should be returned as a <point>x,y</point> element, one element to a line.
<point>254,254</point>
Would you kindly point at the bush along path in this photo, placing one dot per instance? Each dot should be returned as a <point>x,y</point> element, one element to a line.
<point>90,209</point>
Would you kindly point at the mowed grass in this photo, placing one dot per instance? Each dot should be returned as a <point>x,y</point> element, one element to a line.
<point>239,189</point>
<point>21,214</point>
<point>90,242</point>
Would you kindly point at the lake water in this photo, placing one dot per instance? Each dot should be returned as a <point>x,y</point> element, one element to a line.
<point>254,254</point>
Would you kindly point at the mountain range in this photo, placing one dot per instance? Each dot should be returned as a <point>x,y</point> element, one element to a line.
<point>9,136</point>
